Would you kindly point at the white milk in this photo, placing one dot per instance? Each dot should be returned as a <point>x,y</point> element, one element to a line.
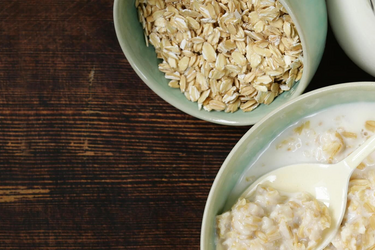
<point>308,146</point>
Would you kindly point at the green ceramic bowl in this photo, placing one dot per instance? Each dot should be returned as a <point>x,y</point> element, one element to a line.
<point>260,135</point>
<point>310,17</point>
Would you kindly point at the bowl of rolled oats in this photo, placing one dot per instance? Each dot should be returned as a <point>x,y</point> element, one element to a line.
<point>323,126</point>
<point>229,62</point>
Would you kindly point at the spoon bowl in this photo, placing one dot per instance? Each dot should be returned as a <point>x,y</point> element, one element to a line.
<point>328,183</point>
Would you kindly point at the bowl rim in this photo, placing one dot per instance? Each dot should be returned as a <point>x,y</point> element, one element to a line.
<point>223,168</point>
<point>206,116</point>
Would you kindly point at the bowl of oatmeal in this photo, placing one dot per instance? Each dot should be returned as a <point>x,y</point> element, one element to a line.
<point>226,62</point>
<point>323,126</point>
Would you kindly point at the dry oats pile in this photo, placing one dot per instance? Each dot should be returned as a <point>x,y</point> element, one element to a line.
<point>224,54</point>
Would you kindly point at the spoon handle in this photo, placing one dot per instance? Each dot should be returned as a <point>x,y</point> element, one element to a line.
<point>358,155</point>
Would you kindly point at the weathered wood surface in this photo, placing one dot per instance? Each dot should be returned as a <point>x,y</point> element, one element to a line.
<point>90,157</point>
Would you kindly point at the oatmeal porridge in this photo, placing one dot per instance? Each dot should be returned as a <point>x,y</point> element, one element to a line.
<point>326,137</point>
<point>274,221</point>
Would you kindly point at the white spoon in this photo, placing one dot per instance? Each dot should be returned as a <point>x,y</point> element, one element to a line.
<point>328,183</point>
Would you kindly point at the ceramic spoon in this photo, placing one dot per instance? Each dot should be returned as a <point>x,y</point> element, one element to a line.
<point>328,183</point>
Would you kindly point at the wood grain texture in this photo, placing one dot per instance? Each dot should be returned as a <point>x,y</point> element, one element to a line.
<point>90,157</point>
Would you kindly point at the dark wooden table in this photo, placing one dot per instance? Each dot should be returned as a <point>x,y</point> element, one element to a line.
<point>90,157</point>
